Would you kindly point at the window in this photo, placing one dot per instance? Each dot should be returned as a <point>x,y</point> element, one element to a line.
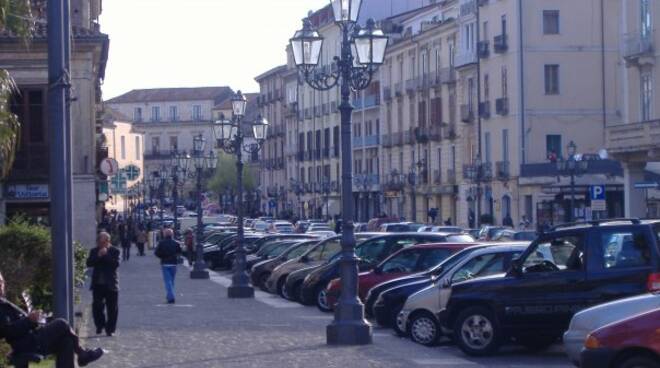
<point>433,258</point>
<point>403,262</point>
<point>371,250</point>
<point>647,96</point>
<point>330,249</point>
<point>551,22</point>
<point>155,113</point>
<point>505,145</point>
<point>484,35</point>
<point>625,249</point>
<point>554,255</point>
<point>174,144</point>
<point>505,82</point>
<point>470,93</point>
<point>197,112</point>
<point>173,113</point>
<point>155,145</point>
<point>137,115</point>
<point>484,265</point>
<point>487,147</point>
<point>486,87</point>
<point>123,147</point>
<point>646,28</point>
<point>552,79</point>
<point>553,145</point>
<point>138,155</point>
<point>504,24</point>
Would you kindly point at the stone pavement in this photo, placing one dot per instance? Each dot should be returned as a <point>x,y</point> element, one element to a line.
<point>206,329</point>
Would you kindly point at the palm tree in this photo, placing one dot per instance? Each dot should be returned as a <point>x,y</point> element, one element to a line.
<point>16,17</point>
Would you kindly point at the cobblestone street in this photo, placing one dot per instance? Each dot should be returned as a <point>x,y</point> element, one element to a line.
<point>205,329</point>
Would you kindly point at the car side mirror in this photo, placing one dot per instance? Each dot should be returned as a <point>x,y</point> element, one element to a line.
<point>438,271</point>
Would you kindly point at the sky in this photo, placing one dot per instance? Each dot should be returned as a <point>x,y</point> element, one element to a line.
<point>189,43</point>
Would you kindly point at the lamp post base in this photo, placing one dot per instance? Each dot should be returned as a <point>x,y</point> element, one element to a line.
<point>349,327</point>
<point>240,292</point>
<point>199,274</point>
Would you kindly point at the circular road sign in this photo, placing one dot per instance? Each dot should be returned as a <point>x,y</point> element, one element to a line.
<point>109,166</point>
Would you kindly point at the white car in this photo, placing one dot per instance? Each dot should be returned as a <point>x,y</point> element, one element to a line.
<point>322,233</point>
<point>590,319</point>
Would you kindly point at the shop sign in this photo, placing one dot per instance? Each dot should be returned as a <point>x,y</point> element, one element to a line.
<point>27,191</point>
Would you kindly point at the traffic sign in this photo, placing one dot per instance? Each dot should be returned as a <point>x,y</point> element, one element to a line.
<point>597,192</point>
<point>109,166</point>
<point>118,184</point>
<point>646,185</point>
<point>132,172</point>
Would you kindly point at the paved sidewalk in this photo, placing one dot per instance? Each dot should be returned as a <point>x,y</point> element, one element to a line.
<point>206,329</point>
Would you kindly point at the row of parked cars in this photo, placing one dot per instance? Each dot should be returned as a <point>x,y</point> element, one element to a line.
<point>596,285</point>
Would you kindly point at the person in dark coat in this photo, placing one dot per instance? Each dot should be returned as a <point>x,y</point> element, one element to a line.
<point>104,260</point>
<point>169,251</point>
<point>27,335</point>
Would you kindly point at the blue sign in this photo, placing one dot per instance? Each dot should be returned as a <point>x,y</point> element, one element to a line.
<point>646,185</point>
<point>272,204</point>
<point>597,192</point>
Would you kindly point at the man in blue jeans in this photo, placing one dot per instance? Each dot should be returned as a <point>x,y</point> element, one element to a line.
<point>169,251</point>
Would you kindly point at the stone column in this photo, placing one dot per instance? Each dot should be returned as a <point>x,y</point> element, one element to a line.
<point>634,199</point>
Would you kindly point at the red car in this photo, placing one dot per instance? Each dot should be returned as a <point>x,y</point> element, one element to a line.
<point>406,261</point>
<point>631,342</point>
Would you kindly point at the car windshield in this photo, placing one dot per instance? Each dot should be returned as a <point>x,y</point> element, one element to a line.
<point>370,250</point>
<point>525,235</point>
<point>297,250</point>
<point>556,254</point>
<point>453,260</point>
<point>280,248</point>
<point>432,257</point>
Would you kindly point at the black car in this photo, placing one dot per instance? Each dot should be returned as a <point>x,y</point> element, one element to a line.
<point>262,241</point>
<point>370,253</point>
<point>564,271</point>
<point>398,290</point>
<point>271,251</point>
<point>261,271</point>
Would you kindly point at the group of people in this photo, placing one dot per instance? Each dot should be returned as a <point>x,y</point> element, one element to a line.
<point>128,231</point>
<point>24,330</point>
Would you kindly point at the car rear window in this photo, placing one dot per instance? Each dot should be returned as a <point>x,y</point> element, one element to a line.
<point>624,249</point>
<point>462,238</point>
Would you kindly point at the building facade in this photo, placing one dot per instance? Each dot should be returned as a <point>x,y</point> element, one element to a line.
<point>26,191</point>
<point>125,145</point>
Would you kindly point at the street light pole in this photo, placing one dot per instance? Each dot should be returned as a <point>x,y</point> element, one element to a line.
<point>352,72</point>
<point>201,161</point>
<point>230,136</point>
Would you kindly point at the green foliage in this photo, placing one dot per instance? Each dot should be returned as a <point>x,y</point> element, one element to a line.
<point>16,15</point>
<point>225,176</point>
<point>25,262</point>
<point>10,127</point>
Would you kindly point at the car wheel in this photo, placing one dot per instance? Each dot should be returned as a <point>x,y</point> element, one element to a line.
<point>424,329</point>
<point>638,361</point>
<point>285,292</point>
<point>538,343</point>
<point>280,286</point>
<point>262,280</point>
<point>476,332</point>
<point>322,299</point>
<point>393,317</point>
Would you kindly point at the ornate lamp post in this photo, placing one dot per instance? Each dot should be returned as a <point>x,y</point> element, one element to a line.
<point>352,72</point>
<point>230,137</point>
<point>413,180</point>
<point>398,181</point>
<point>363,183</point>
<point>152,182</point>
<point>572,167</point>
<point>479,172</point>
<point>179,167</point>
<point>201,162</point>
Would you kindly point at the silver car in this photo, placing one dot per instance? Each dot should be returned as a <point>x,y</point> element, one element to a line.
<point>419,314</point>
<point>590,319</point>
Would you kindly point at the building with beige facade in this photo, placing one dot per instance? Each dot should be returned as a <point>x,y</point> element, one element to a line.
<point>632,136</point>
<point>26,190</point>
<point>126,146</point>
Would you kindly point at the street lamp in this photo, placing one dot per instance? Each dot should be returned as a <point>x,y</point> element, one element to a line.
<point>201,162</point>
<point>479,172</point>
<point>230,137</point>
<point>363,183</point>
<point>179,167</point>
<point>413,179</point>
<point>349,326</point>
<point>573,166</point>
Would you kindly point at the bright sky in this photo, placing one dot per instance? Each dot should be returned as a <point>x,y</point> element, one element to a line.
<point>189,43</point>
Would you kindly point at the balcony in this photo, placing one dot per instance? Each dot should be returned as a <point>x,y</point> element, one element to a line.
<point>638,138</point>
<point>398,89</point>
<point>371,140</point>
<point>484,110</point>
<point>451,176</point>
<point>447,75</point>
<point>411,85</point>
<point>502,106</point>
<point>435,133</point>
<point>358,142</point>
<point>450,132</point>
<point>466,57</point>
<point>371,101</point>
<point>437,177</point>
<point>387,93</point>
<point>483,49</point>
<point>502,170</point>
<point>467,113</point>
<point>638,49</point>
<point>432,79</point>
<point>500,44</point>
<point>397,139</point>
<point>549,169</point>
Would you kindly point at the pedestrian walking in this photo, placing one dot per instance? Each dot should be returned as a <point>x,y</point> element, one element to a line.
<point>141,240</point>
<point>104,261</point>
<point>190,246</point>
<point>27,334</point>
<point>169,251</point>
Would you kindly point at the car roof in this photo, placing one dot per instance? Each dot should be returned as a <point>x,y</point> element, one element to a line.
<point>442,245</point>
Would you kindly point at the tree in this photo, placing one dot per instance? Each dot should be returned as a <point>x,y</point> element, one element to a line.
<point>225,176</point>
<point>15,16</point>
